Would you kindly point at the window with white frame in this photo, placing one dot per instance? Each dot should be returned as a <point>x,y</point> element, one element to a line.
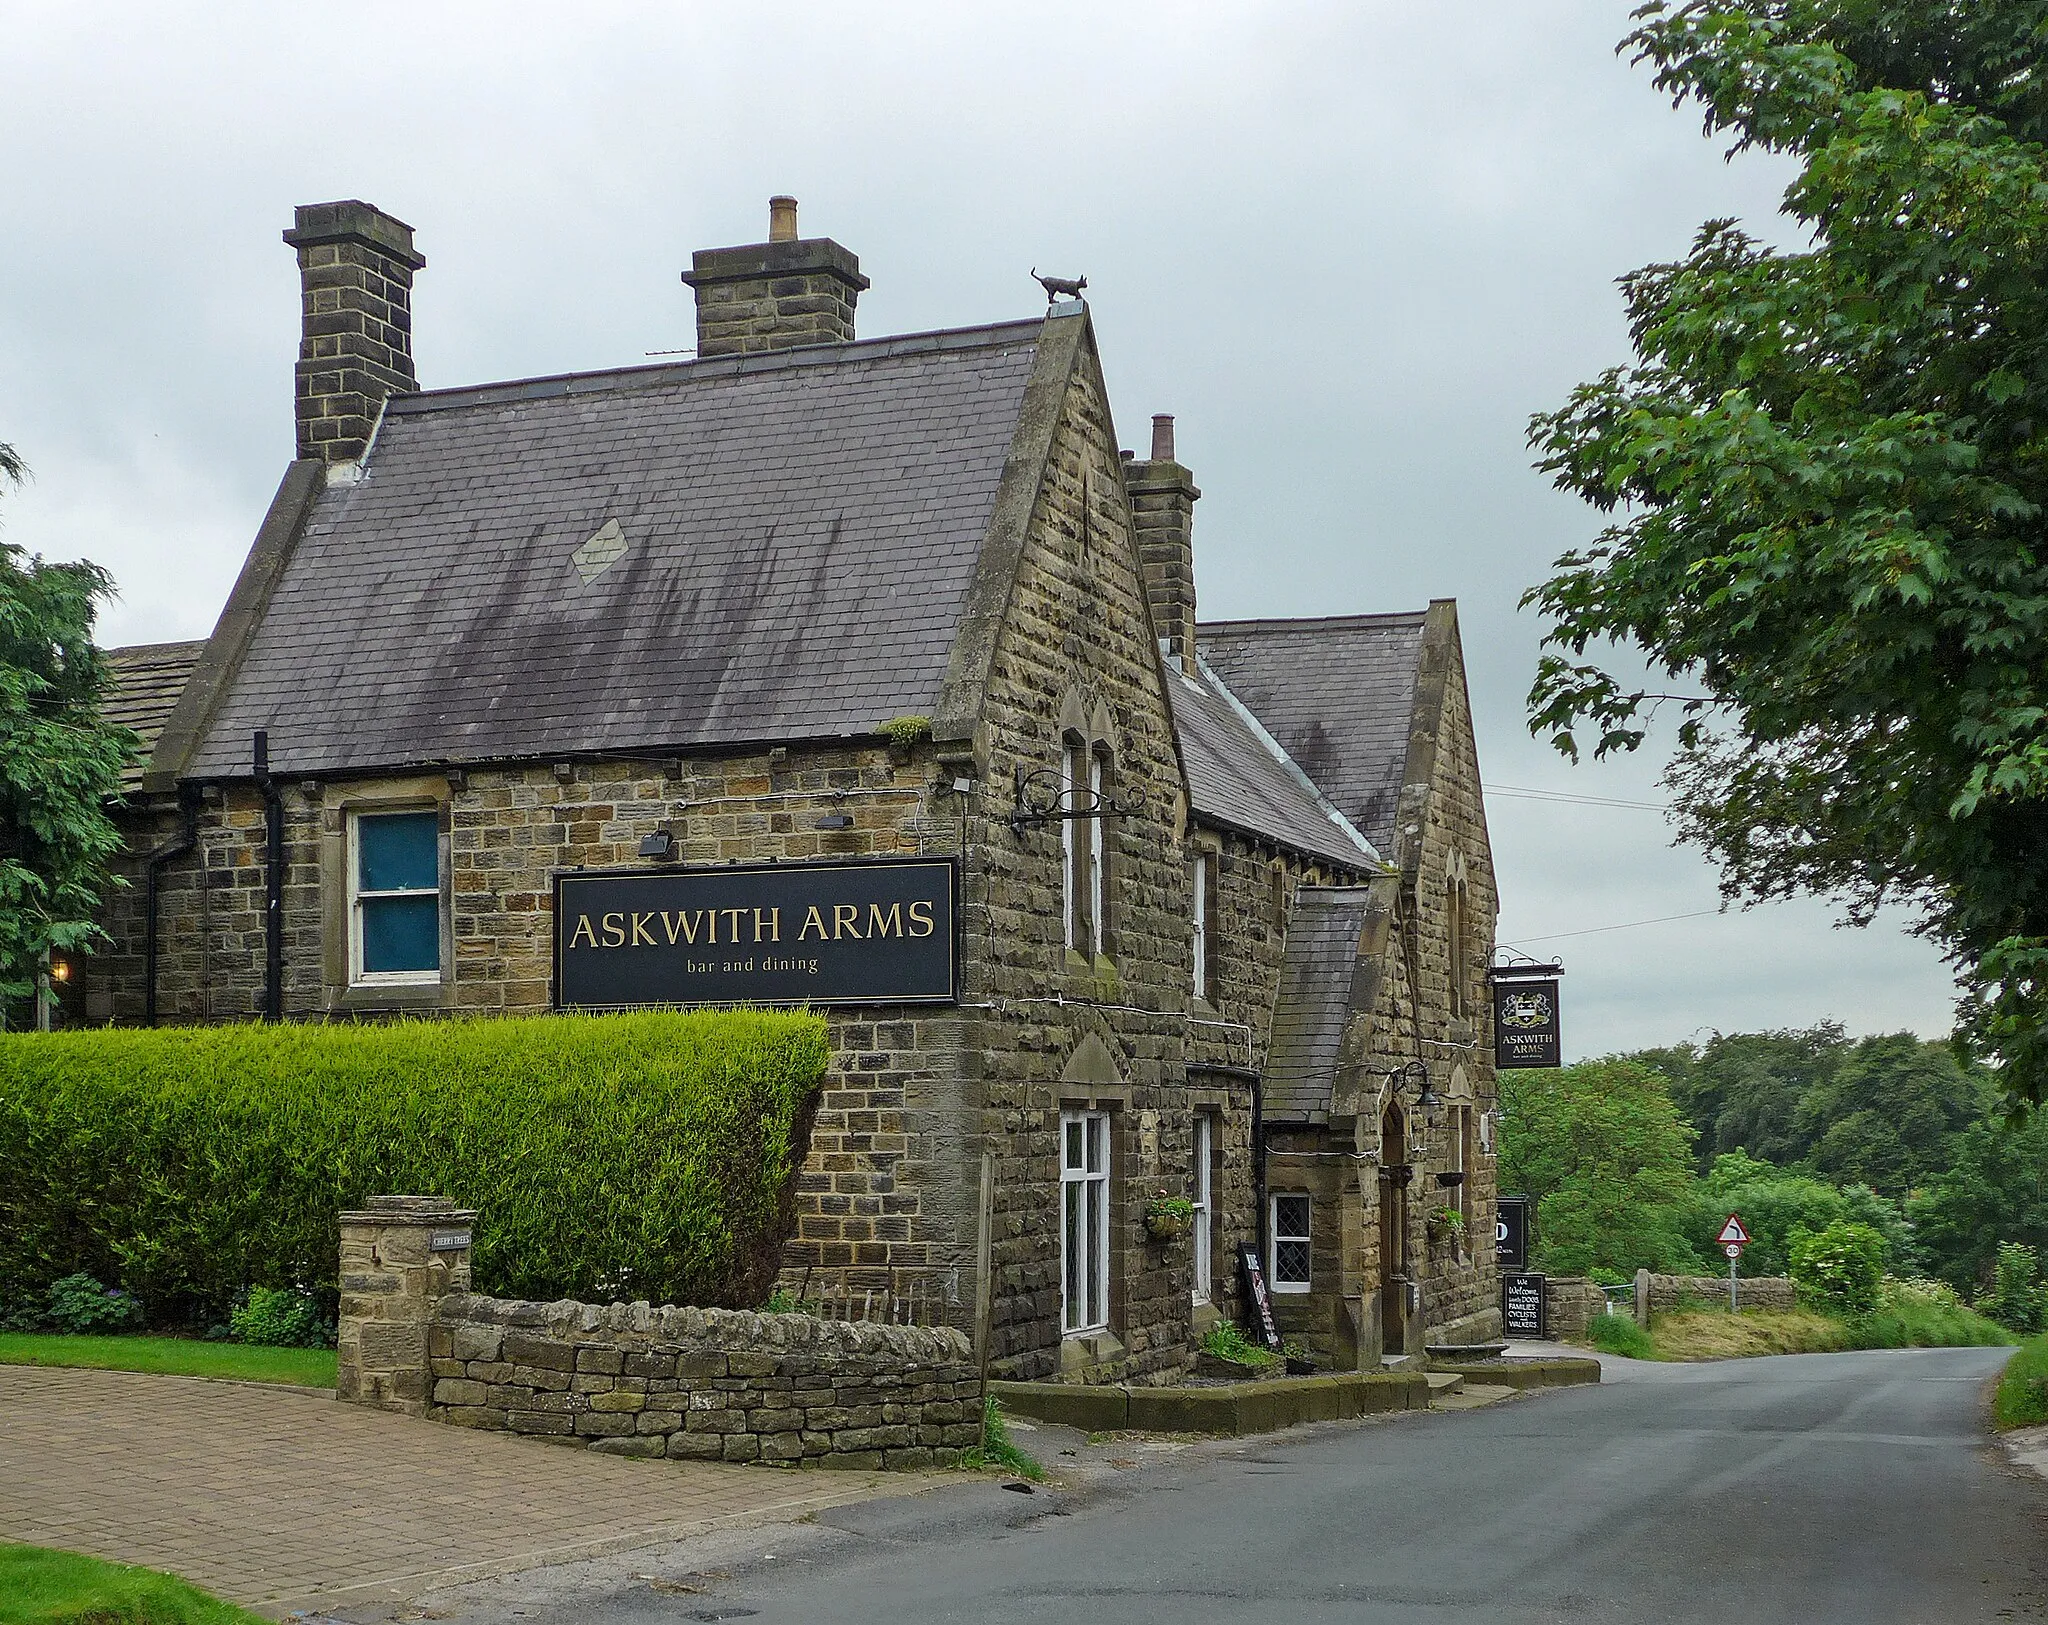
<point>1204,1149</point>
<point>395,896</point>
<point>1084,1221</point>
<point>1290,1261</point>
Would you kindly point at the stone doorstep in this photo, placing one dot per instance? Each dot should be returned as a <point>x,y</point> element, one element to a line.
<point>1443,1384</point>
<point>1230,1409</point>
<point>1520,1374</point>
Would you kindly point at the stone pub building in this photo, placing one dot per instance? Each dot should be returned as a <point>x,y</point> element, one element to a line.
<point>864,673</point>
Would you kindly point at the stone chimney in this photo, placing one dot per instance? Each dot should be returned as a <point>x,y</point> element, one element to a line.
<point>1163,498</point>
<point>775,295</point>
<point>355,277</point>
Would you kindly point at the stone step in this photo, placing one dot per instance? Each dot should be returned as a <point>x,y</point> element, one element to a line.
<point>1472,1396</point>
<point>1442,1384</point>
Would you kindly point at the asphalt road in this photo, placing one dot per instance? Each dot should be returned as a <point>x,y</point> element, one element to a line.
<point>1857,1488</point>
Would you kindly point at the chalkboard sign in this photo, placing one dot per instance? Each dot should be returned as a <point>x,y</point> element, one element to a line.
<point>1255,1288</point>
<point>1521,1306</point>
<point>1511,1233</point>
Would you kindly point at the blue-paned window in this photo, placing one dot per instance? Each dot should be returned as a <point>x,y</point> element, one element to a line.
<point>398,894</point>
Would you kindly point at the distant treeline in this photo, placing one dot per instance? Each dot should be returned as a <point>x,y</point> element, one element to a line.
<point>1634,1160</point>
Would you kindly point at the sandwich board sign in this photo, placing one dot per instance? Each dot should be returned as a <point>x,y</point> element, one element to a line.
<point>1262,1301</point>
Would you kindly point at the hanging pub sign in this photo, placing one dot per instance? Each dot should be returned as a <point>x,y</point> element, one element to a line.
<point>1511,1233</point>
<point>1521,1306</point>
<point>1526,1032</point>
<point>863,932</point>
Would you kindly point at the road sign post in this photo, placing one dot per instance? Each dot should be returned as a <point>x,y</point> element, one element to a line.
<point>1733,1238</point>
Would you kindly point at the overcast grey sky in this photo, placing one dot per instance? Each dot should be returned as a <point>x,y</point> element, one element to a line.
<point>1352,247</point>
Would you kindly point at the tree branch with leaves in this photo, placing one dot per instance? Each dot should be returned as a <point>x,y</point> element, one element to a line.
<point>1826,473</point>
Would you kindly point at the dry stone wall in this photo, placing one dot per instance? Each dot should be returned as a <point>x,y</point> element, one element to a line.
<point>706,1384</point>
<point>1661,1294</point>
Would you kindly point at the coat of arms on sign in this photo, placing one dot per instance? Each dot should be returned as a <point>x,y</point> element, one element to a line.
<point>1521,1007</point>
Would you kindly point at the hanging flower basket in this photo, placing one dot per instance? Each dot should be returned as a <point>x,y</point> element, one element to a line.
<point>1455,1176</point>
<point>1169,1218</point>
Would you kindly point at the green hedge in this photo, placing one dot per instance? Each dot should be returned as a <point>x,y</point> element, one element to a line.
<point>636,1156</point>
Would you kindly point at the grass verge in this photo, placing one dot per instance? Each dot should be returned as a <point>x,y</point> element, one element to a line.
<point>175,1356</point>
<point>1000,1450</point>
<point>2022,1400</point>
<point>1715,1334</point>
<point>43,1587</point>
<point>1618,1334</point>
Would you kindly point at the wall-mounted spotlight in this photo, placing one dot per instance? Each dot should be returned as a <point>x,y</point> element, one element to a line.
<point>660,844</point>
<point>836,820</point>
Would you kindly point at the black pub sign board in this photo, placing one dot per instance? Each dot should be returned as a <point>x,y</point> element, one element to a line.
<point>1511,1233</point>
<point>875,931</point>
<point>1521,1306</point>
<point>1525,1022</point>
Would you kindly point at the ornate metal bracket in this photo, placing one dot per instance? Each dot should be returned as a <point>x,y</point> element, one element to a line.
<point>1043,799</point>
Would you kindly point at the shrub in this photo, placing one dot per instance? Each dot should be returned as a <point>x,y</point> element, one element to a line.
<point>2015,1298</point>
<point>1841,1267</point>
<point>651,1154</point>
<point>80,1304</point>
<point>281,1317</point>
<point>2022,1398</point>
<point>1923,1315</point>
<point>1619,1334</point>
<point>1225,1341</point>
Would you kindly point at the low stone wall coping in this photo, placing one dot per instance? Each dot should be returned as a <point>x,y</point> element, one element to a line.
<point>644,1325</point>
<point>1559,1373</point>
<point>1232,1409</point>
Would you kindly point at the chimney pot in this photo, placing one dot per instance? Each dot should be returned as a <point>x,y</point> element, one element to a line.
<point>1162,437</point>
<point>775,295</point>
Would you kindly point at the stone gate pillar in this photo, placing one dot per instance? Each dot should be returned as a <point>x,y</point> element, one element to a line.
<point>399,1258</point>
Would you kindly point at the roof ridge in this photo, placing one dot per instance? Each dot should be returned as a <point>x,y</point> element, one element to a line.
<point>1293,767</point>
<point>1295,623</point>
<point>167,650</point>
<point>498,391</point>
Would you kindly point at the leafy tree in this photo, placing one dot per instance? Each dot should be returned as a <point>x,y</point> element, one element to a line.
<point>1828,470</point>
<point>1742,1091</point>
<point>1606,1161</point>
<point>1995,1188</point>
<point>1778,1205</point>
<point>1843,1266</point>
<point>60,762</point>
<point>1887,1113</point>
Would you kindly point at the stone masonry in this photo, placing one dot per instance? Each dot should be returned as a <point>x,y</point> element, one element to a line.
<point>356,266</point>
<point>707,1384</point>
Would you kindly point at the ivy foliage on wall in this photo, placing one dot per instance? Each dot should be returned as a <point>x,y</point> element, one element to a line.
<point>648,1155</point>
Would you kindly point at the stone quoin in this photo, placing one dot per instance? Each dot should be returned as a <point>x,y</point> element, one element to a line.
<point>1221,895</point>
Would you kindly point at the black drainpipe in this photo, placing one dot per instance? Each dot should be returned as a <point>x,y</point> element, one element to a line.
<point>273,882</point>
<point>152,867</point>
<point>1259,1160</point>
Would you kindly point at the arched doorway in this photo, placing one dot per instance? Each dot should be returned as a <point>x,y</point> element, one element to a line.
<point>1394,1177</point>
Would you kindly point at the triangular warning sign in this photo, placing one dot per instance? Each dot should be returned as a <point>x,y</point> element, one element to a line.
<point>1732,1232</point>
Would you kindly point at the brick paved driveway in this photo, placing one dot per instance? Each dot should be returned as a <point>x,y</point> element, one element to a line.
<point>285,1499</point>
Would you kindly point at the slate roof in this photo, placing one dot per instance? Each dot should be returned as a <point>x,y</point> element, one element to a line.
<point>800,530</point>
<point>1314,1001</point>
<point>1337,694</point>
<point>147,680</point>
<point>1238,777</point>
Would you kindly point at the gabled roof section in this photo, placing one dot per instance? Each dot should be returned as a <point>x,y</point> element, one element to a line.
<point>726,552</point>
<point>1338,695</point>
<point>1315,1001</point>
<point>147,680</point>
<point>1239,778</point>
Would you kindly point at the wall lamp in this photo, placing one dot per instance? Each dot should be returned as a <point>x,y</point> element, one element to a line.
<point>660,844</point>
<point>836,820</point>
